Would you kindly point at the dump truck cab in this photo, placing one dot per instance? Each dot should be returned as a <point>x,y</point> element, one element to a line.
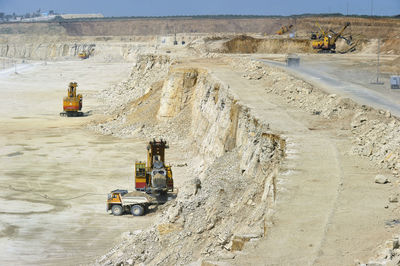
<point>114,198</point>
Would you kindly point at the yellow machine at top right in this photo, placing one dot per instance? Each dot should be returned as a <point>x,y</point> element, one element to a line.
<point>327,41</point>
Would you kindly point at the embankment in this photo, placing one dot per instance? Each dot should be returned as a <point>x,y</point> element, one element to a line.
<point>229,196</point>
<point>55,47</point>
<point>248,45</point>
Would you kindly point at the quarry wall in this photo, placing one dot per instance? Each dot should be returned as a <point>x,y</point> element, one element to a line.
<point>234,161</point>
<point>229,197</point>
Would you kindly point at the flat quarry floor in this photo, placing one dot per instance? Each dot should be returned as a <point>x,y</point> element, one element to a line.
<point>54,173</point>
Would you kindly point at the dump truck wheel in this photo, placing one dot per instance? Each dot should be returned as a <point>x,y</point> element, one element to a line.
<point>116,210</point>
<point>137,210</point>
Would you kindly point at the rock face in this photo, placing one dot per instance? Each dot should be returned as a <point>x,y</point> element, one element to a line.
<point>176,92</point>
<point>53,47</point>
<point>229,198</point>
<point>231,193</point>
<point>147,69</point>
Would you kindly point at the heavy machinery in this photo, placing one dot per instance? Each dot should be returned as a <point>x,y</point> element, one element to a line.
<point>83,55</point>
<point>153,183</point>
<point>292,60</point>
<point>284,29</point>
<point>315,35</point>
<point>395,82</point>
<point>72,104</point>
<point>121,201</point>
<point>327,41</point>
<point>154,176</point>
<point>88,50</point>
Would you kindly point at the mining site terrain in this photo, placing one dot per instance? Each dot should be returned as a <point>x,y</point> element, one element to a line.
<point>273,165</point>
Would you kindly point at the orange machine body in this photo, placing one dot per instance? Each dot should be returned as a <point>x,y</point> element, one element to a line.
<point>72,102</point>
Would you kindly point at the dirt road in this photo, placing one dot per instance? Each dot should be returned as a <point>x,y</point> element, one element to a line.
<point>353,80</point>
<point>329,211</point>
<point>55,174</point>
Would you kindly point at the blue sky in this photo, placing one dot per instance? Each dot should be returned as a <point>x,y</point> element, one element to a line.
<point>202,7</point>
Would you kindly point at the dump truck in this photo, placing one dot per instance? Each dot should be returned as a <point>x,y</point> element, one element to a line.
<point>395,82</point>
<point>292,60</point>
<point>72,103</point>
<point>137,203</point>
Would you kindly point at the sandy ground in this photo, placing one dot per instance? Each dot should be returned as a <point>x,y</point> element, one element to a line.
<point>54,173</point>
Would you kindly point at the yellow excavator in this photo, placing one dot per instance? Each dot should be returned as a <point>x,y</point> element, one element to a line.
<point>88,51</point>
<point>284,29</point>
<point>83,55</point>
<point>154,184</point>
<point>72,103</point>
<point>327,41</point>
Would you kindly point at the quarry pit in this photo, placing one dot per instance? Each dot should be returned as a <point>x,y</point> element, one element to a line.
<point>284,162</point>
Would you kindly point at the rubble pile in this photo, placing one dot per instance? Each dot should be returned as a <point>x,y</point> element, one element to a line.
<point>212,217</point>
<point>146,70</point>
<point>387,254</point>
<point>375,133</point>
<point>377,136</point>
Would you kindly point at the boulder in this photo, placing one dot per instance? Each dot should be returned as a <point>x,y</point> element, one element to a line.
<point>394,198</point>
<point>381,179</point>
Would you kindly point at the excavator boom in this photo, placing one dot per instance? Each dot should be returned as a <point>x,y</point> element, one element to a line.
<point>320,28</point>
<point>327,44</point>
<point>336,36</point>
